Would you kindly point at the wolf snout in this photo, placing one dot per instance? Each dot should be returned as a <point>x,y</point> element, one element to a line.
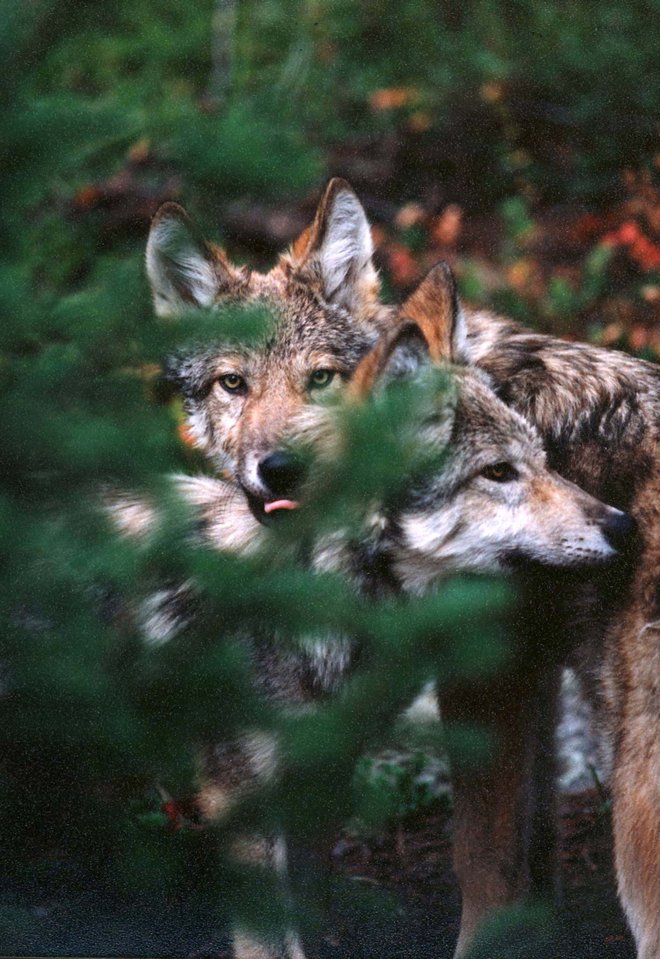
<point>281,473</point>
<point>619,530</point>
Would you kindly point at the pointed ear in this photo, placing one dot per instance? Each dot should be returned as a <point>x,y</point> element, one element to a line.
<point>435,308</point>
<point>396,354</point>
<point>184,271</point>
<point>337,248</point>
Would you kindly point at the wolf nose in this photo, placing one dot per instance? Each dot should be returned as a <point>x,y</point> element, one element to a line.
<point>282,472</point>
<point>619,530</point>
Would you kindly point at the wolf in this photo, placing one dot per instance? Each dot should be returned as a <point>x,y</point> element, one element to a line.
<point>598,413</point>
<point>246,406</point>
<point>495,469</point>
<point>503,845</point>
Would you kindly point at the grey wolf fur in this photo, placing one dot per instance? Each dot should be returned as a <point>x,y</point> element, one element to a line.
<point>423,542</point>
<point>503,837</point>
<point>482,433</point>
<point>538,516</point>
<point>596,411</point>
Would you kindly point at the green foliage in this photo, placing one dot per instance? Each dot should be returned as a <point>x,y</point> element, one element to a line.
<point>518,933</point>
<point>94,720</point>
<point>394,785</point>
<point>564,90</point>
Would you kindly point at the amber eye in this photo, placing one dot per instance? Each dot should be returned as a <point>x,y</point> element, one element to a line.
<point>321,378</point>
<point>232,383</point>
<point>500,473</point>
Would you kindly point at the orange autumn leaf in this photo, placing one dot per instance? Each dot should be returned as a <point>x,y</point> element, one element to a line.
<point>378,235</point>
<point>642,250</point>
<point>612,334</point>
<point>140,151</point>
<point>519,275</point>
<point>638,338</point>
<point>392,98</point>
<point>420,121</point>
<point>650,293</point>
<point>410,214</point>
<point>403,267</point>
<point>646,254</point>
<point>491,92</point>
<point>87,196</point>
<point>446,228</point>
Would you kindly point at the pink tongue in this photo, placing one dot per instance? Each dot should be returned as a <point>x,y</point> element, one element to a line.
<point>280,504</point>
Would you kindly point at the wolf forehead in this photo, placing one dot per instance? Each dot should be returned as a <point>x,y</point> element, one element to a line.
<point>474,429</point>
<point>483,422</point>
<point>294,336</point>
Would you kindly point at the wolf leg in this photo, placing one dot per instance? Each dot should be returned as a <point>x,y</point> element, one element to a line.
<point>277,943</point>
<point>492,802</point>
<point>636,821</point>
<point>247,947</point>
<point>233,771</point>
<point>543,858</point>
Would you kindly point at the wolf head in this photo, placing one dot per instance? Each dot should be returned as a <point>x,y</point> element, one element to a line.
<point>494,501</point>
<point>245,405</point>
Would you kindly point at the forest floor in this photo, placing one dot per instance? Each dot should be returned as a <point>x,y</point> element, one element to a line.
<point>412,862</point>
<point>392,896</point>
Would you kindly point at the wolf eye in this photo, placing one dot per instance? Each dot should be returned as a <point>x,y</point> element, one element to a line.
<point>232,383</point>
<point>321,378</point>
<point>500,473</point>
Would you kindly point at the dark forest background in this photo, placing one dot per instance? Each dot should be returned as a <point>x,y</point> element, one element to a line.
<point>518,140</point>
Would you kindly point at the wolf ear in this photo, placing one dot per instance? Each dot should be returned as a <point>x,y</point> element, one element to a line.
<point>337,248</point>
<point>435,308</point>
<point>183,270</point>
<point>397,354</point>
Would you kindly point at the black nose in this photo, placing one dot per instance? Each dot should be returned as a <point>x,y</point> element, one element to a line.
<point>282,472</point>
<point>620,530</point>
